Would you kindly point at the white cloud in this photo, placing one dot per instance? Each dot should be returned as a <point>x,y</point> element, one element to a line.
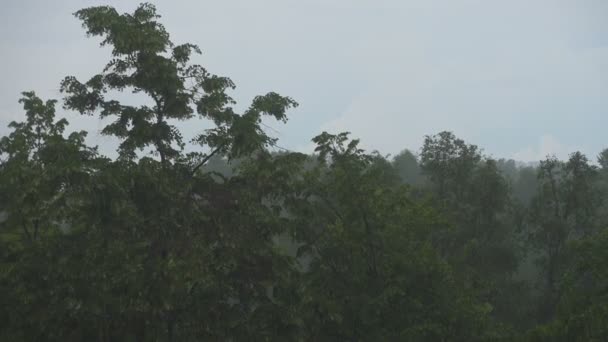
<point>470,70</point>
<point>547,146</point>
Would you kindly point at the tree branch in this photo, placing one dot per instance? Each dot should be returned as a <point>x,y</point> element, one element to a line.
<point>205,160</point>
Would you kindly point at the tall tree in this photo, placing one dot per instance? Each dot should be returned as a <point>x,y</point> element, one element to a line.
<point>153,249</point>
<point>475,196</point>
<point>41,169</point>
<point>146,61</point>
<point>448,162</point>
<point>562,211</point>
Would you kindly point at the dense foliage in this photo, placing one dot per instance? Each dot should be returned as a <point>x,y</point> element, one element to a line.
<point>238,243</point>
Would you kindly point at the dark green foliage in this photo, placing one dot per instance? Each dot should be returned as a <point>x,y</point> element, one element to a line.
<point>564,210</point>
<point>474,196</point>
<point>235,243</point>
<point>602,159</point>
<point>448,163</point>
<point>524,187</point>
<point>373,272</point>
<point>406,165</point>
<point>582,313</point>
<point>146,61</point>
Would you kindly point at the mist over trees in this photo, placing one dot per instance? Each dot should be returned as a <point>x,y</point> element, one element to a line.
<point>238,242</point>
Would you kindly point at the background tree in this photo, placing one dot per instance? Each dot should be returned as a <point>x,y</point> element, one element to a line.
<point>374,274</point>
<point>561,212</point>
<point>406,165</point>
<point>475,197</point>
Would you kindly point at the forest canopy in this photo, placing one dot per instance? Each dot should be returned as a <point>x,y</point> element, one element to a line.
<point>238,242</point>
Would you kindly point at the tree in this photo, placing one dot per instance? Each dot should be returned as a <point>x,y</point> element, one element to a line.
<point>581,314</point>
<point>373,273</point>
<point>448,163</point>
<point>41,170</point>
<point>234,242</point>
<point>562,211</point>
<point>41,182</point>
<point>602,159</point>
<point>146,61</point>
<point>524,187</point>
<point>406,164</point>
<point>475,197</point>
<point>151,249</point>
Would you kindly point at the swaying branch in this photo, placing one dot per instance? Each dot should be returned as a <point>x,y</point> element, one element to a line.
<point>205,160</point>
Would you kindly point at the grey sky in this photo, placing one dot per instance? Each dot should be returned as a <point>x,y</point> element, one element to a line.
<point>519,78</point>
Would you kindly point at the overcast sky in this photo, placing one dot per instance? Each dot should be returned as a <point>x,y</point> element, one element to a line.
<point>521,79</point>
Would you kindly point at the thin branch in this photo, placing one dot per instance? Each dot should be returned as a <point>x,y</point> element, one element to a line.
<point>267,126</point>
<point>205,160</point>
<point>281,148</point>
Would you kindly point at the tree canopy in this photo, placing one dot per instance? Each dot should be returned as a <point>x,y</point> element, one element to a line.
<point>235,242</point>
